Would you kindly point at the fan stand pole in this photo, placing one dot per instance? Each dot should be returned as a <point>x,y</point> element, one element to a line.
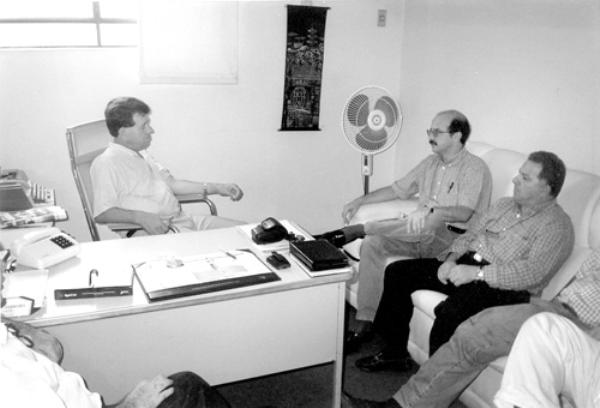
<point>367,171</point>
<point>366,184</point>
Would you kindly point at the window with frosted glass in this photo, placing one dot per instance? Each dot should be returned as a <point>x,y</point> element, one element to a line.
<point>68,23</point>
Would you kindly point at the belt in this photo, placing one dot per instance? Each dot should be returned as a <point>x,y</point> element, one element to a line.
<point>472,258</point>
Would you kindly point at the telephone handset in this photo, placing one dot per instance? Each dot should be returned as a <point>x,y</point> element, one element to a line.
<point>43,248</point>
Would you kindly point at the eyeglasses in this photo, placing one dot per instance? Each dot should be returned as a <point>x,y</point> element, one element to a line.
<point>435,132</point>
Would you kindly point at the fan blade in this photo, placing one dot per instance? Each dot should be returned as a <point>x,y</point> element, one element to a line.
<point>371,140</point>
<point>358,110</point>
<point>389,108</point>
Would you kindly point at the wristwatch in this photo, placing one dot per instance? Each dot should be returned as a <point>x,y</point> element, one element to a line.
<point>480,274</point>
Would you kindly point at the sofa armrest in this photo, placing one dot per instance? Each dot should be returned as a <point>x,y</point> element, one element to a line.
<point>383,210</point>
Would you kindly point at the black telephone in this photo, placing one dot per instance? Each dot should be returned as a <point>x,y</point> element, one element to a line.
<point>268,231</point>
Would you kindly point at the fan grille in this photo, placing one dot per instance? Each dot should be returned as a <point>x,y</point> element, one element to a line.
<point>371,120</point>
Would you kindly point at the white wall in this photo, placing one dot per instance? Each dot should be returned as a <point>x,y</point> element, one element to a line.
<point>213,132</point>
<point>525,72</point>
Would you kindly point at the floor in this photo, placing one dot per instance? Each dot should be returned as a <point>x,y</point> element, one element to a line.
<point>312,387</point>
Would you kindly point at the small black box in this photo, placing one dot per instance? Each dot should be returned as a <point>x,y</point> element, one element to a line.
<point>318,254</point>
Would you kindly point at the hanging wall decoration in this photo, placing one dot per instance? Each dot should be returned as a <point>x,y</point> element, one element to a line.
<point>303,67</point>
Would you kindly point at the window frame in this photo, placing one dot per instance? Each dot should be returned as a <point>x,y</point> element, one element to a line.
<point>96,19</point>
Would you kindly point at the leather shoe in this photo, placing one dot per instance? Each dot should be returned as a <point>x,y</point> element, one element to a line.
<point>335,237</point>
<point>348,401</point>
<point>354,340</point>
<point>384,361</point>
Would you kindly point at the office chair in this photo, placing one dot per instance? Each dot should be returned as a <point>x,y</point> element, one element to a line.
<point>86,142</point>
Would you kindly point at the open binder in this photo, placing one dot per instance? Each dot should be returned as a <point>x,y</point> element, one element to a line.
<point>172,278</point>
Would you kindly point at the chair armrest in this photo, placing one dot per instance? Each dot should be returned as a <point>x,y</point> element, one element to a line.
<point>183,199</point>
<point>197,198</point>
<point>123,226</point>
<point>383,210</point>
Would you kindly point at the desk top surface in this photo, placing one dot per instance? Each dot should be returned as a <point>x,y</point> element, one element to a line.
<point>115,254</point>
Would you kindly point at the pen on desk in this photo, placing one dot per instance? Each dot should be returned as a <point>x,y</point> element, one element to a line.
<point>212,265</point>
<point>92,278</point>
<point>450,188</point>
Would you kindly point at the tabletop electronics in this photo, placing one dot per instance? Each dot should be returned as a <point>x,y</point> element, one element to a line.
<point>278,261</point>
<point>44,247</point>
<point>268,231</point>
<point>318,255</point>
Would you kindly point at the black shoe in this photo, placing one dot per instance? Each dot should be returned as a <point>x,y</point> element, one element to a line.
<point>384,361</point>
<point>354,340</point>
<point>348,401</point>
<point>335,237</point>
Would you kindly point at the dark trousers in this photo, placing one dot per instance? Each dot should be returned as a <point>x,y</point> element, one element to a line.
<point>191,391</point>
<point>404,277</point>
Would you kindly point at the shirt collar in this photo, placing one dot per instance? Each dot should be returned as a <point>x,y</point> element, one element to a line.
<point>126,150</point>
<point>461,154</point>
<point>528,211</point>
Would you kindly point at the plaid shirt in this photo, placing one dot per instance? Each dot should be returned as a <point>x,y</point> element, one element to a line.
<point>583,293</point>
<point>465,181</point>
<point>524,249</point>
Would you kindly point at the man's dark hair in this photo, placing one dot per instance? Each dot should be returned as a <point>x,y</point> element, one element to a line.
<point>459,123</point>
<point>119,113</point>
<point>553,170</point>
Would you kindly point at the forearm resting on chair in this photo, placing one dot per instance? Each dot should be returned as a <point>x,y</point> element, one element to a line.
<point>453,213</point>
<point>151,223</point>
<point>192,187</point>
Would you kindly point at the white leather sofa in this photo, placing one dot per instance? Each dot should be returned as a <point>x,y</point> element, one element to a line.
<point>580,197</point>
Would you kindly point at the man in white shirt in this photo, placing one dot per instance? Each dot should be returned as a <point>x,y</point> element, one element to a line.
<point>30,376</point>
<point>552,359</point>
<point>131,187</point>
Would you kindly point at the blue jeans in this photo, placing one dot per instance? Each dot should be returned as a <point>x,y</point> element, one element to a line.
<point>477,342</point>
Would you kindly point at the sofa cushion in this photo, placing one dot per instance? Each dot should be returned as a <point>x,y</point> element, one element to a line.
<point>427,300</point>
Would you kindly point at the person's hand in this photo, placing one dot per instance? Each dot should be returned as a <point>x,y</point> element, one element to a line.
<point>148,393</point>
<point>415,223</point>
<point>444,271</point>
<point>153,224</point>
<point>461,274</point>
<point>232,191</point>
<point>349,210</point>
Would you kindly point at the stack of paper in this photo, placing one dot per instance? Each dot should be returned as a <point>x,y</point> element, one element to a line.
<point>32,216</point>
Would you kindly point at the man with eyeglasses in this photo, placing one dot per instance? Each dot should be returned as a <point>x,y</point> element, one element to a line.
<point>453,186</point>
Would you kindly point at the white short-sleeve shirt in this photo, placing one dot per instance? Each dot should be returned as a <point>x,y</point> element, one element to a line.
<point>29,379</point>
<point>124,178</point>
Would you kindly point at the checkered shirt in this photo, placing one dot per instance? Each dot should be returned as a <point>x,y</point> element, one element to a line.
<point>583,293</point>
<point>466,181</point>
<point>524,249</point>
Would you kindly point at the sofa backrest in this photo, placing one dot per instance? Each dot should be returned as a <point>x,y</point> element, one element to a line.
<point>579,197</point>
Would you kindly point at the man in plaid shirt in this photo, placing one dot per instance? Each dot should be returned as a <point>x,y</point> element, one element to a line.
<point>574,313</point>
<point>509,254</point>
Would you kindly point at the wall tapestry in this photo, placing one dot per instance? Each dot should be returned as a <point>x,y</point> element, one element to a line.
<point>303,67</point>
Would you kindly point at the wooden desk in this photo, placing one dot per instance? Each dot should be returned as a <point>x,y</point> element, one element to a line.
<point>223,336</point>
